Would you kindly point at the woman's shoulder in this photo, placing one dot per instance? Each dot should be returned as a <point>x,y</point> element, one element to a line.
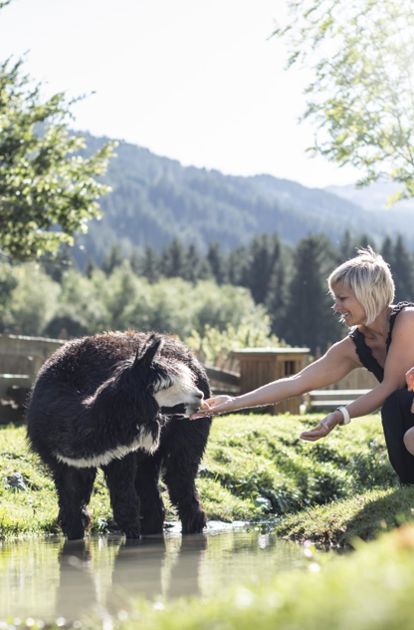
<point>402,307</point>
<point>404,310</point>
<point>401,336</point>
<point>405,320</point>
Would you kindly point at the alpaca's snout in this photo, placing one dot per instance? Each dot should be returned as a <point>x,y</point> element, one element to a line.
<point>179,399</point>
<point>194,405</point>
<point>185,409</point>
<point>179,389</point>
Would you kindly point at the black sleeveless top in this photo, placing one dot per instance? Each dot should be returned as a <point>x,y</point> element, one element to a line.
<point>364,352</point>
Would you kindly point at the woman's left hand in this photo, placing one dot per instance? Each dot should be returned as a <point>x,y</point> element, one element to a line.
<point>322,429</point>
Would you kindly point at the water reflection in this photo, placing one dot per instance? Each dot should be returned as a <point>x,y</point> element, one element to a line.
<point>76,592</point>
<point>54,578</point>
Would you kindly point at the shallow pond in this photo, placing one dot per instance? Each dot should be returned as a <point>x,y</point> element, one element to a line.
<point>48,579</point>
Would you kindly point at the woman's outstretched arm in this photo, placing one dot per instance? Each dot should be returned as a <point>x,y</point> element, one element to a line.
<point>338,361</point>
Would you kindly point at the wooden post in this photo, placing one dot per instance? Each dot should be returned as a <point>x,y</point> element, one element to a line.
<point>259,366</point>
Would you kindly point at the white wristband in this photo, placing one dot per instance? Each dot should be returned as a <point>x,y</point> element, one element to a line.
<point>345,415</point>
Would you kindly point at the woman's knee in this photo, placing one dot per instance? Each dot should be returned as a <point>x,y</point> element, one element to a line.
<point>409,440</point>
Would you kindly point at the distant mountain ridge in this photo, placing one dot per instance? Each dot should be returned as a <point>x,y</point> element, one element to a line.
<point>155,199</point>
<point>374,197</point>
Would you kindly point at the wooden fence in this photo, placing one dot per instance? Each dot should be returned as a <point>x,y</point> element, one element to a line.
<point>223,381</point>
<point>20,360</point>
<point>355,384</point>
<point>25,355</point>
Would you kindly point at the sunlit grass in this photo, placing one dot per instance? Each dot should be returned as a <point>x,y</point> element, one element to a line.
<point>261,461</point>
<point>255,468</point>
<point>342,523</point>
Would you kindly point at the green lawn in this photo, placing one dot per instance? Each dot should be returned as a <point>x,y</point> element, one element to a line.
<point>255,468</point>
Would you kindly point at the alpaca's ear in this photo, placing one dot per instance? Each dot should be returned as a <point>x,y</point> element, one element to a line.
<point>153,346</point>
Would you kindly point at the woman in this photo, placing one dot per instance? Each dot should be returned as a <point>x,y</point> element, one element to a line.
<point>381,339</point>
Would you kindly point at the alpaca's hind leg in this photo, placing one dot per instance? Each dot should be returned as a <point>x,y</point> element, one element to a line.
<point>74,488</point>
<point>146,484</point>
<point>120,479</point>
<point>185,449</point>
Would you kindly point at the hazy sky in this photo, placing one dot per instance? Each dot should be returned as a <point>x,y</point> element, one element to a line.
<point>195,80</point>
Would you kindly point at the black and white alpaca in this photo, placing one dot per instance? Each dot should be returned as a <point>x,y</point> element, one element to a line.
<point>118,401</point>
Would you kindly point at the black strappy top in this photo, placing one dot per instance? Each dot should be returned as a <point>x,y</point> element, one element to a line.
<point>364,352</point>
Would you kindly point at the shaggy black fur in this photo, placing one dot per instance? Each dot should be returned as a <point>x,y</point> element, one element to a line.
<point>94,396</point>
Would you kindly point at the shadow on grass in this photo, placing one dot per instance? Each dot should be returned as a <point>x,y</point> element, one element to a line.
<point>379,515</point>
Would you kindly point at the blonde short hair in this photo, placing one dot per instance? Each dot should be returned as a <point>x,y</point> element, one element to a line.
<point>369,277</point>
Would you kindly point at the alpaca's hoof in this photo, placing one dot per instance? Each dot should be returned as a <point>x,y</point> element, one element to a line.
<point>86,518</point>
<point>75,533</point>
<point>147,529</point>
<point>72,527</point>
<point>194,522</point>
<point>132,533</point>
<point>153,522</point>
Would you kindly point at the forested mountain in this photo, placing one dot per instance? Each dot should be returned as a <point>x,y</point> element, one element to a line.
<point>155,199</point>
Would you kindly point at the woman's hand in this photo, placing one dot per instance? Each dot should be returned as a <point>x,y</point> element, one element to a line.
<point>213,406</point>
<point>324,427</point>
<point>409,379</point>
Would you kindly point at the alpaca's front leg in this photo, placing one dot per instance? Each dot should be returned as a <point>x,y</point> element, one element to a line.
<point>74,488</point>
<point>120,479</point>
<point>186,445</point>
<point>146,484</point>
<point>183,494</point>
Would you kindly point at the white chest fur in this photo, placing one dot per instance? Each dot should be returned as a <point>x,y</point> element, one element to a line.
<point>144,440</point>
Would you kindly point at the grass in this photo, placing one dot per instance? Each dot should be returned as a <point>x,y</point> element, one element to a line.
<point>261,462</point>
<point>255,468</point>
<point>341,523</point>
<point>28,504</point>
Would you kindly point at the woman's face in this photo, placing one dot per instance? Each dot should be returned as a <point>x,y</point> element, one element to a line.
<point>347,306</point>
